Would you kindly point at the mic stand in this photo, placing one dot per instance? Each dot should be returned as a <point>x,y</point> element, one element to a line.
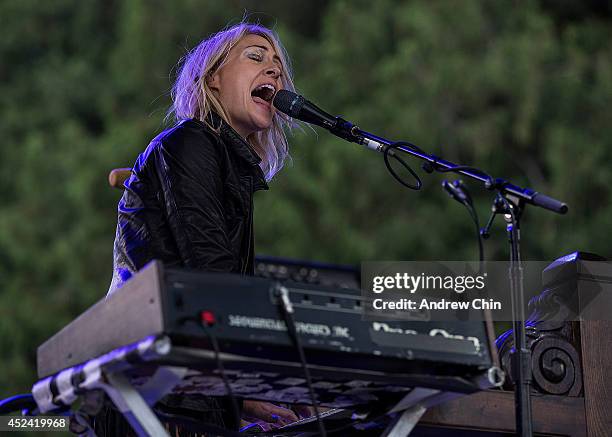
<point>512,209</point>
<point>509,201</point>
<point>350,132</point>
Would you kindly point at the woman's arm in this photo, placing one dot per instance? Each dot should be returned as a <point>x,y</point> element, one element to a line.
<point>189,164</point>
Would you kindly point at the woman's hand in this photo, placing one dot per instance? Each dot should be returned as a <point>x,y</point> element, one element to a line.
<point>303,411</point>
<point>271,414</point>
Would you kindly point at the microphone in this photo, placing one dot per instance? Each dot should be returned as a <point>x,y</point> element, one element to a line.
<point>297,106</point>
<point>456,191</point>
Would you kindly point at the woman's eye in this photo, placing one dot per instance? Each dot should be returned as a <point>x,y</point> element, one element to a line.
<point>255,56</point>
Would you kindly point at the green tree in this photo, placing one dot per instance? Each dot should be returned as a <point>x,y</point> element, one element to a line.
<point>522,92</point>
<point>501,88</point>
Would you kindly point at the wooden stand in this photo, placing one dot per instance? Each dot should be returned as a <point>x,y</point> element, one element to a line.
<point>493,412</point>
<point>571,363</point>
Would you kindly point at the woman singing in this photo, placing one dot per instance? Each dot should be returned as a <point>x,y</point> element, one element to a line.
<point>189,200</point>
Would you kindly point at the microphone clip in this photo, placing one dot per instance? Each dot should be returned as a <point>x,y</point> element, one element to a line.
<point>346,130</point>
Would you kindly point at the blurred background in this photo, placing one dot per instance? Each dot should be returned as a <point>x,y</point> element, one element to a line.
<point>522,90</point>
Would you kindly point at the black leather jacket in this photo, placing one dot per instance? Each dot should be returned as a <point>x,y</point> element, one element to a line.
<point>189,202</point>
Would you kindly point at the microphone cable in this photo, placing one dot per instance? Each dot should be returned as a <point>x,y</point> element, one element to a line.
<point>391,148</point>
<point>287,311</point>
<point>466,200</point>
<point>17,403</point>
<point>207,320</point>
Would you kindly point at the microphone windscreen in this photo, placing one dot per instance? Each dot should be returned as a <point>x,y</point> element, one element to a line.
<point>288,102</point>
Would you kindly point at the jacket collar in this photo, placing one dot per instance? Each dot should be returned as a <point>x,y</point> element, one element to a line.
<point>241,147</point>
<point>239,144</point>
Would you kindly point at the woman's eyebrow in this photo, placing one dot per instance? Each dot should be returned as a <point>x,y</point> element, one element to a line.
<point>276,58</point>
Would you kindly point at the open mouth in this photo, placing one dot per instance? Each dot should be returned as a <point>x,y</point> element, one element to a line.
<point>264,92</point>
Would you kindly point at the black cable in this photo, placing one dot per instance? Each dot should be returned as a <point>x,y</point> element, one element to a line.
<point>228,388</point>
<point>460,168</point>
<point>287,311</point>
<point>17,403</point>
<point>428,166</point>
<point>434,165</point>
<point>414,147</point>
<point>387,151</point>
<point>458,191</point>
<point>474,215</point>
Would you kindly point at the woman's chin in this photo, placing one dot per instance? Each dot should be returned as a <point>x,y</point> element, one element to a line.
<point>261,115</point>
<point>262,123</point>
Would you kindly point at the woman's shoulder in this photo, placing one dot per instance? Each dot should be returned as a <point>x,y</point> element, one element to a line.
<point>186,132</point>
<point>188,140</point>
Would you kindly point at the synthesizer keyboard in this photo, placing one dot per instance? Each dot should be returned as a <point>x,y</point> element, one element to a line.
<point>249,327</point>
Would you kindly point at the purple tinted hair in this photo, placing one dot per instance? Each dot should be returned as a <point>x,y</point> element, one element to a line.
<point>193,98</point>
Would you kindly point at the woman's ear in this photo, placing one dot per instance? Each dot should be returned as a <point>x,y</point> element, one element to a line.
<point>213,81</point>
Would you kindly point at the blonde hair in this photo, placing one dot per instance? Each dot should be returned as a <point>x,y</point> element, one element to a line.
<point>193,98</point>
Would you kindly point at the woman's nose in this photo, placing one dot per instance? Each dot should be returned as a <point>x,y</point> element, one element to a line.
<point>273,71</point>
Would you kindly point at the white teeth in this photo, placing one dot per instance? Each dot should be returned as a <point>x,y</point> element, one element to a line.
<point>267,85</point>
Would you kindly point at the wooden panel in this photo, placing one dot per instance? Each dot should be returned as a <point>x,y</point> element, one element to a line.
<point>596,338</point>
<point>128,315</point>
<point>494,411</point>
